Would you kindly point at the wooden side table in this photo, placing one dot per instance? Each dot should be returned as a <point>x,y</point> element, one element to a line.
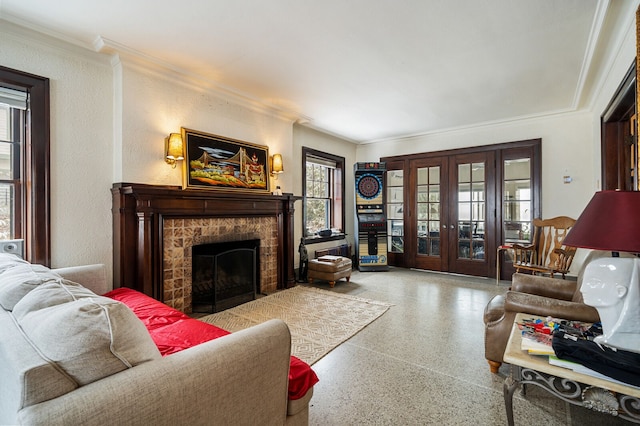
<point>579,389</point>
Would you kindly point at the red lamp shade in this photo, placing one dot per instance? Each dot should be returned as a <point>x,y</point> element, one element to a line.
<point>611,221</point>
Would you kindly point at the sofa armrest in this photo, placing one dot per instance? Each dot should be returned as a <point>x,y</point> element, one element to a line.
<point>555,288</point>
<point>240,378</point>
<point>545,306</point>
<point>93,277</point>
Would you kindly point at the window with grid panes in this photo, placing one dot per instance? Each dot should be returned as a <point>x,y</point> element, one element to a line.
<point>25,162</point>
<point>12,129</point>
<point>323,208</point>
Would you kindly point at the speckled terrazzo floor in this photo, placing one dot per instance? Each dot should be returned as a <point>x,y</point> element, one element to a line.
<point>422,362</point>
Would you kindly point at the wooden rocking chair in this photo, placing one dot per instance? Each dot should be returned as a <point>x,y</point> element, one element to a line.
<point>546,255</point>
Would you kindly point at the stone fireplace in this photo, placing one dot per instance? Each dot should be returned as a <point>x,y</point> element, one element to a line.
<point>155,228</point>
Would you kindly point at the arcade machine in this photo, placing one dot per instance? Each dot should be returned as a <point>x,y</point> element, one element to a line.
<point>372,220</point>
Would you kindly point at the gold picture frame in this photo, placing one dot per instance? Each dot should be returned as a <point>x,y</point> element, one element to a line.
<point>215,162</point>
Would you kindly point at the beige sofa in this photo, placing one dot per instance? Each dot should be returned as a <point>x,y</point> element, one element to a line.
<point>70,357</point>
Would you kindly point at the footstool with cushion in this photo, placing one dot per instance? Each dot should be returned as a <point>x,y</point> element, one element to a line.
<point>329,268</point>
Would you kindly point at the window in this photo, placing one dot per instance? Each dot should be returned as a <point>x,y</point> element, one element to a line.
<point>13,105</point>
<point>24,162</point>
<point>323,193</point>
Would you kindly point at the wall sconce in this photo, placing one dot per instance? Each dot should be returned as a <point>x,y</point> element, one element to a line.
<point>276,165</point>
<point>173,149</point>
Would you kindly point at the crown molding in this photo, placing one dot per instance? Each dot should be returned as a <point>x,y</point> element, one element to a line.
<point>587,63</point>
<point>108,52</point>
<point>152,65</point>
<point>26,32</point>
<point>478,126</point>
<point>612,56</point>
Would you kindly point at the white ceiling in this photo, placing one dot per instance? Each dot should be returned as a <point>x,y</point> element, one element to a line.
<point>362,69</point>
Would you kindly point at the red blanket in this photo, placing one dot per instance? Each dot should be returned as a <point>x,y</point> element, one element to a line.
<point>173,331</point>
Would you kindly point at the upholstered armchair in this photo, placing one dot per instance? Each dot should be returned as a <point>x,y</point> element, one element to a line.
<point>535,295</point>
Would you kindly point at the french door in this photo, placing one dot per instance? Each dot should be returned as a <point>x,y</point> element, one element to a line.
<point>448,220</point>
<point>445,211</point>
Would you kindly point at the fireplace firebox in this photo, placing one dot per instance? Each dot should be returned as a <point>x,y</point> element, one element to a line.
<point>224,275</point>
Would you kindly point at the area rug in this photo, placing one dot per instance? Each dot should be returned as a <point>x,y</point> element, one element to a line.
<point>319,320</point>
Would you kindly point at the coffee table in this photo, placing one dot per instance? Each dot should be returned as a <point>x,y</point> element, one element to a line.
<point>576,388</point>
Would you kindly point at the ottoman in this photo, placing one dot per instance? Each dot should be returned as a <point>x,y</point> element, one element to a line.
<point>330,268</point>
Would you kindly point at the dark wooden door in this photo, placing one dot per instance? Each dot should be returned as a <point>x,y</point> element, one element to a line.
<point>446,209</point>
<point>472,225</point>
<point>427,219</point>
<point>447,221</point>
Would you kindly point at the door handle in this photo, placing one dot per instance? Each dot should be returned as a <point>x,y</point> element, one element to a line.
<point>452,227</point>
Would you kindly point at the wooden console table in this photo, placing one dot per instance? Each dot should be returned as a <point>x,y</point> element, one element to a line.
<point>576,388</point>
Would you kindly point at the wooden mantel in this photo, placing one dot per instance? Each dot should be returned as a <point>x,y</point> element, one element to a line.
<point>139,211</point>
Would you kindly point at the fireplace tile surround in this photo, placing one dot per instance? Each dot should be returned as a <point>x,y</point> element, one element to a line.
<point>180,235</point>
<point>155,227</point>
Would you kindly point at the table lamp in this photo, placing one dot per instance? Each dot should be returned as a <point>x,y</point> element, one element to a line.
<point>611,221</point>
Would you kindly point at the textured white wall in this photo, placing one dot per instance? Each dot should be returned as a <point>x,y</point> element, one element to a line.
<point>81,141</point>
<point>156,104</point>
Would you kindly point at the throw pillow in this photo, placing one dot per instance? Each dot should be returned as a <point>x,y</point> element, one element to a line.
<point>18,280</point>
<point>48,294</point>
<point>89,338</point>
<point>8,260</point>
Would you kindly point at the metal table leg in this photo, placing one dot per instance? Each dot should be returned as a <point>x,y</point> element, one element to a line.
<point>509,388</point>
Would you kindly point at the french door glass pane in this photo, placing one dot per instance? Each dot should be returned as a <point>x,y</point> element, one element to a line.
<point>428,210</point>
<point>395,211</point>
<point>434,175</point>
<point>395,194</point>
<point>434,211</point>
<point>396,236</point>
<point>423,226</point>
<point>423,176</point>
<point>423,211</point>
<point>395,179</point>
<point>434,249</point>
<point>519,168</point>
<point>471,211</point>
<point>516,206</point>
<point>464,173</point>
<point>423,193</point>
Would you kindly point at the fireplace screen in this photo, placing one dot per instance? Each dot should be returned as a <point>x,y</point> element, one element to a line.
<point>224,275</point>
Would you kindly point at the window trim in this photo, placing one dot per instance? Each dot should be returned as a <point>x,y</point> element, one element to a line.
<point>36,228</point>
<point>336,198</point>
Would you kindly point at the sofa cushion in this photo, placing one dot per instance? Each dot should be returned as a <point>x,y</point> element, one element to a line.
<point>19,279</point>
<point>49,294</point>
<point>100,336</point>
<point>7,260</point>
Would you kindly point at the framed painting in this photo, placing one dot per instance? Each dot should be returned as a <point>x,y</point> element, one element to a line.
<point>220,163</point>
